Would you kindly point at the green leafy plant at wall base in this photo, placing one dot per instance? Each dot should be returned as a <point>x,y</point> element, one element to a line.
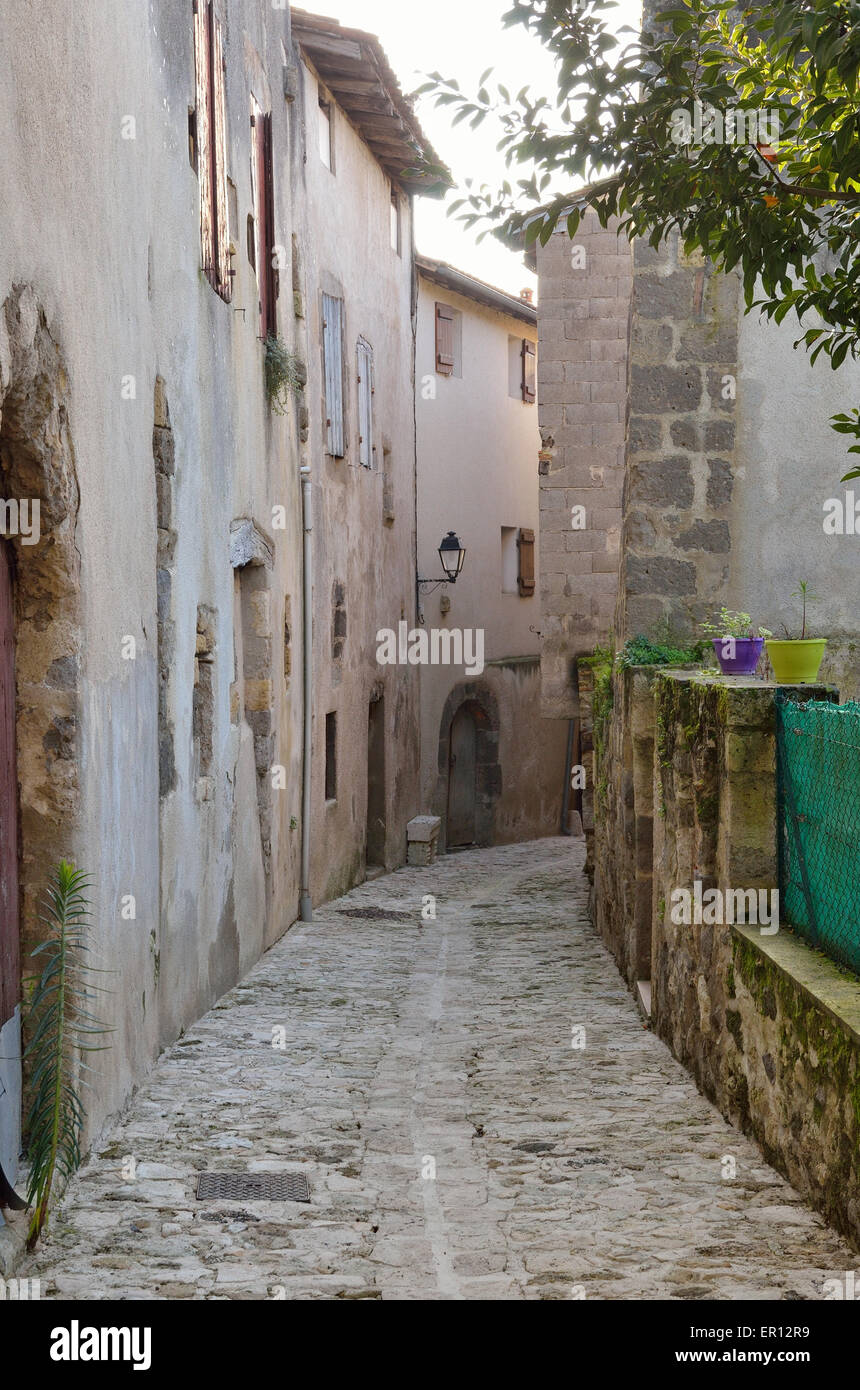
<point>61,1029</point>
<point>284,374</point>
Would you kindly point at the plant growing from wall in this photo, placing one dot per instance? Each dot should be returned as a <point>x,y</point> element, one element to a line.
<point>647,651</point>
<point>284,374</point>
<point>61,1028</point>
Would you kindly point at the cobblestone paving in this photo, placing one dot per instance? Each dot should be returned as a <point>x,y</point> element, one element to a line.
<point>560,1171</point>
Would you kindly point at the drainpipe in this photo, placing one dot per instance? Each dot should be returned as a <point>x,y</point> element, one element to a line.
<point>306,908</point>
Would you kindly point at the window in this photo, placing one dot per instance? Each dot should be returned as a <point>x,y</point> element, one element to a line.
<point>331,757</point>
<point>449,341</point>
<point>210,131</point>
<point>522,376</point>
<point>263,196</point>
<point>332,335</point>
<point>518,561</point>
<point>364,355</point>
<point>326,132</point>
<point>510,564</point>
<point>395,221</point>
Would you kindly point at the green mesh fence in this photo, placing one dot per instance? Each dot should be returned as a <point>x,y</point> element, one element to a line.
<point>819,824</point>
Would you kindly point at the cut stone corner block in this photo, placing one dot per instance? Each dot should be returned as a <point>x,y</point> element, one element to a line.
<point>422,837</point>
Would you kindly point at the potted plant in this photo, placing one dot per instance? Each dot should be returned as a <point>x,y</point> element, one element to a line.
<point>796,661</point>
<point>737,645</point>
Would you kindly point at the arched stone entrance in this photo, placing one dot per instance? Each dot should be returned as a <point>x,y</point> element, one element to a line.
<point>38,514</point>
<point>469,729</point>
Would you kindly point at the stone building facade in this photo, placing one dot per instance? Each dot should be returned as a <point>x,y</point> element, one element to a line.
<point>355,309</point>
<point>161,236</point>
<point>491,768</point>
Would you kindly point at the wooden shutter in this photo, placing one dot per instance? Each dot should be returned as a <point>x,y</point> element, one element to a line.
<point>444,340</point>
<point>529,371</point>
<point>333,364</point>
<point>526,547</point>
<point>223,279</point>
<point>203,70</point>
<point>270,275</point>
<point>365,403</point>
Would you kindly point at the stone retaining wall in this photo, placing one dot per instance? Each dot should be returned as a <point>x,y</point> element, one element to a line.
<point>769,1028</point>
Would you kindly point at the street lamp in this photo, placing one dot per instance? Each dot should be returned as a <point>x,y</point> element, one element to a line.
<point>451,554</point>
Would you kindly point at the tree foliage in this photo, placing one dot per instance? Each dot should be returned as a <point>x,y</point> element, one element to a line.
<point>768,182</point>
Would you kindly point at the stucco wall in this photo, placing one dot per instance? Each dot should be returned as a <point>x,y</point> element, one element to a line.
<point>345,250</point>
<point>478,471</point>
<point>106,232</point>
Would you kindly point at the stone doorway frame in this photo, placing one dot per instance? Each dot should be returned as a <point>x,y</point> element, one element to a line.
<point>37,463</point>
<point>479,698</point>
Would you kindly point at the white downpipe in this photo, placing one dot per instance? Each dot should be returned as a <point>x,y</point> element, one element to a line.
<point>306,908</point>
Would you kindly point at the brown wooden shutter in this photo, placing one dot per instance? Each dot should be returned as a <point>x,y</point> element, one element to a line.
<point>526,547</point>
<point>203,70</point>
<point>223,280</point>
<point>529,371</point>
<point>271,276</point>
<point>444,340</point>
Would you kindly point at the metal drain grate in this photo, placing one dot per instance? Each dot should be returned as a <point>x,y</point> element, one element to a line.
<point>253,1187</point>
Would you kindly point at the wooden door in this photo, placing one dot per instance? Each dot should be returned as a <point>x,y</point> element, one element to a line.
<point>462,788</point>
<point>10,970</point>
<point>376,818</point>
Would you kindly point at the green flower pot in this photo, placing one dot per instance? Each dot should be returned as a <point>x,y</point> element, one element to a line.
<point>796,663</point>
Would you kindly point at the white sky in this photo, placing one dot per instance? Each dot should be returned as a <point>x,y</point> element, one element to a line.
<point>460,39</point>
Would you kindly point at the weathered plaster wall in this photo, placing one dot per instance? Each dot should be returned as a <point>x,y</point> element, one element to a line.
<point>364,522</point>
<point>478,471</point>
<point>583,318</point>
<point>788,463</point>
<point>105,231</point>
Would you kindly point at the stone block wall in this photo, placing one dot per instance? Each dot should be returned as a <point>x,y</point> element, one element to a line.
<point>583,328</point>
<point>676,539</point>
<point>769,1028</point>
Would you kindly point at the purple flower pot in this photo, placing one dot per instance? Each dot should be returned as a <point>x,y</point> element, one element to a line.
<point>747,651</point>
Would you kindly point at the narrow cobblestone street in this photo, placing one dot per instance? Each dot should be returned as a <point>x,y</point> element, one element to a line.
<point>559,1171</point>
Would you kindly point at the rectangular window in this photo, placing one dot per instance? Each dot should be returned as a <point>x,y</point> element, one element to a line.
<point>526,572</point>
<point>449,338</point>
<point>395,221</point>
<point>210,126</point>
<point>326,134</point>
<point>263,195</point>
<point>510,563</point>
<point>365,403</point>
<point>331,757</point>
<point>332,313</point>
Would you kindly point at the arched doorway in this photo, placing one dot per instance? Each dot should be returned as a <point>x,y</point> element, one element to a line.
<point>468,789</point>
<point>462,779</point>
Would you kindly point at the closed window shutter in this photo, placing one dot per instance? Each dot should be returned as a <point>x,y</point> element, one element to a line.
<point>444,340</point>
<point>271,275</point>
<point>365,403</point>
<point>526,547</point>
<point>224,283</point>
<point>204,137</point>
<point>529,371</point>
<point>333,363</point>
